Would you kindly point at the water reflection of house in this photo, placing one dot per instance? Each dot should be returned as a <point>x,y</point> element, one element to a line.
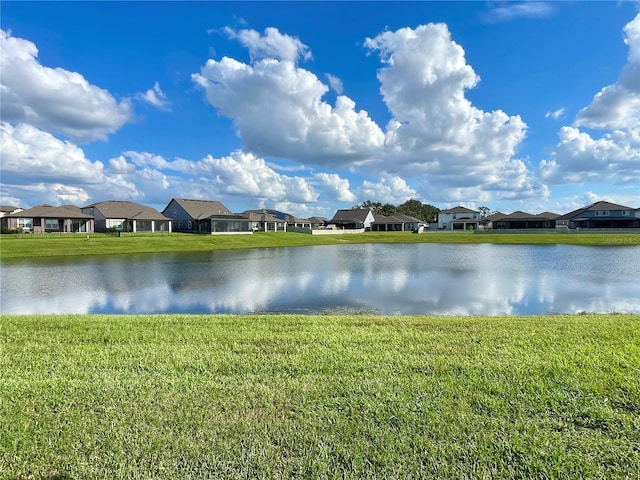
<point>395,223</point>
<point>48,219</point>
<point>458,218</point>
<point>601,215</point>
<point>357,218</point>
<point>204,216</point>
<point>127,216</point>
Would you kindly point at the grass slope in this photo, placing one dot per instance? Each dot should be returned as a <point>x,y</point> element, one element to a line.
<point>319,397</point>
<point>25,246</point>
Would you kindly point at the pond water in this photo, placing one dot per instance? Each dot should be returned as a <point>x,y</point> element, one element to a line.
<point>445,279</point>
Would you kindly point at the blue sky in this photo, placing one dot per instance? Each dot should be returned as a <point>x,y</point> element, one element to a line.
<point>308,107</point>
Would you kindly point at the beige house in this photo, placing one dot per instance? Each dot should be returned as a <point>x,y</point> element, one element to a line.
<point>124,216</point>
<point>48,219</point>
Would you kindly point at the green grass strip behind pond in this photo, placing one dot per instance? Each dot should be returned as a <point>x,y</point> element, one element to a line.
<point>181,396</point>
<point>47,245</point>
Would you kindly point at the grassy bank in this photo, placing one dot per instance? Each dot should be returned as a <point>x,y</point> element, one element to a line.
<point>319,397</point>
<point>24,246</point>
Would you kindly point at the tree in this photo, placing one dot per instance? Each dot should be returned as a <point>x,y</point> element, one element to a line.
<point>387,209</point>
<point>374,207</point>
<point>417,209</point>
<point>484,212</point>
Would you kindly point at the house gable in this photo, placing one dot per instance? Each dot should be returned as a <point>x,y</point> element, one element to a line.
<point>458,216</point>
<point>193,215</point>
<point>125,215</point>
<point>356,218</point>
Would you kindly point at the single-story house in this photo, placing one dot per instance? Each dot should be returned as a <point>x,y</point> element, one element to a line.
<point>204,216</point>
<point>600,215</point>
<point>266,220</point>
<point>48,219</point>
<point>317,222</point>
<point>356,218</point>
<point>396,223</point>
<point>487,222</point>
<point>458,218</point>
<point>524,221</point>
<point>310,223</point>
<point>126,216</point>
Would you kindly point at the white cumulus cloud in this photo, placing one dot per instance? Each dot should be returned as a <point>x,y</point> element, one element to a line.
<point>54,99</point>
<point>278,111</point>
<point>272,44</point>
<point>335,82</point>
<point>393,190</point>
<point>156,97</point>
<point>50,170</point>
<point>615,156</point>
<point>435,131</point>
<point>336,186</point>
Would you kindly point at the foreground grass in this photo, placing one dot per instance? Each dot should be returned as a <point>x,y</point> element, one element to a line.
<point>25,246</point>
<point>319,397</point>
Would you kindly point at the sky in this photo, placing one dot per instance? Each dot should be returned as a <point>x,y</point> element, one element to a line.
<point>310,107</point>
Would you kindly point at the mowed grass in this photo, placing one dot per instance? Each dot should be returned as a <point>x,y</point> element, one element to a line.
<point>115,397</point>
<point>47,245</point>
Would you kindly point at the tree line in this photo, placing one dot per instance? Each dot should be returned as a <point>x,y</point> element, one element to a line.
<point>412,208</point>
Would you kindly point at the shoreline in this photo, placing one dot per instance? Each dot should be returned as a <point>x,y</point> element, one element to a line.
<point>79,244</point>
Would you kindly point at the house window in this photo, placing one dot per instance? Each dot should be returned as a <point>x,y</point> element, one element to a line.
<point>625,213</point>
<point>51,224</point>
<point>602,213</point>
<point>25,223</point>
<point>117,224</point>
<point>189,225</point>
<point>175,213</point>
<point>455,216</point>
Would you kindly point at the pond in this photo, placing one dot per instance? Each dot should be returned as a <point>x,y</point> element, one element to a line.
<point>449,279</point>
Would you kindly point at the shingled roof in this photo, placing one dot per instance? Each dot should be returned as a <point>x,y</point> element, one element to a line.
<point>201,209</point>
<point>47,211</point>
<point>458,209</point>
<point>358,215</point>
<point>126,210</point>
<point>602,205</point>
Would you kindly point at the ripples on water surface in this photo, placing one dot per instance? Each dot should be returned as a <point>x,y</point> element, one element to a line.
<point>447,279</point>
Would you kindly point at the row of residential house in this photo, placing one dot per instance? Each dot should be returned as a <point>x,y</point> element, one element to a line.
<point>598,215</point>
<point>180,215</point>
<point>206,216</point>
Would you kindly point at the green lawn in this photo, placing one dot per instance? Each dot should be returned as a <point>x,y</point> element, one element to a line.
<point>179,396</point>
<point>24,246</point>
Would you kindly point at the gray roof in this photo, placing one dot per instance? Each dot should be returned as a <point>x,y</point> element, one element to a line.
<point>201,209</point>
<point>458,209</point>
<point>7,208</point>
<point>395,219</point>
<point>602,205</point>
<point>317,220</point>
<point>260,216</point>
<point>493,217</point>
<point>519,215</point>
<point>47,211</point>
<point>126,210</point>
<point>355,215</point>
